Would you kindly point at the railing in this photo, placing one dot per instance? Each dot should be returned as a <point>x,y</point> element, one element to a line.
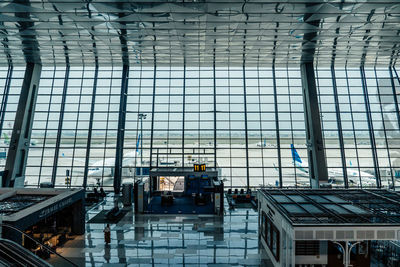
<point>37,242</point>
<point>15,253</point>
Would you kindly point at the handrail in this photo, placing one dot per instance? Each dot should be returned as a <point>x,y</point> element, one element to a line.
<point>37,242</point>
<point>8,242</point>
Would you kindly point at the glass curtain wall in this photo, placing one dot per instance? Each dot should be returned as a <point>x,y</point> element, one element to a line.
<point>11,79</point>
<point>364,108</point>
<point>177,116</point>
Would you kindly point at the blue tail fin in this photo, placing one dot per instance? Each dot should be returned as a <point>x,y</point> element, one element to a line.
<point>295,155</point>
<point>137,144</point>
<point>265,142</point>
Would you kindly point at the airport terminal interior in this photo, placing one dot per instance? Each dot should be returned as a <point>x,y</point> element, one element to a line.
<point>200,133</point>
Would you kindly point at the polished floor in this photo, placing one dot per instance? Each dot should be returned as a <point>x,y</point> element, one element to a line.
<point>168,240</point>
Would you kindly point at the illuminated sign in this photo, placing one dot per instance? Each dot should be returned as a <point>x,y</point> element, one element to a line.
<point>199,167</point>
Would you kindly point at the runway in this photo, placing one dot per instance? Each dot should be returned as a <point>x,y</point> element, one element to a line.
<point>231,160</point>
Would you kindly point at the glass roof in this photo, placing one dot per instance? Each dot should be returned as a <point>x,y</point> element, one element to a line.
<point>336,206</point>
<point>200,32</point>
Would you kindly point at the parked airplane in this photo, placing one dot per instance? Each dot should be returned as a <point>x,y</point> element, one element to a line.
<point>265,144</point>
<point>105,168</point>
<point>336,176</point>
<point>6,141</point>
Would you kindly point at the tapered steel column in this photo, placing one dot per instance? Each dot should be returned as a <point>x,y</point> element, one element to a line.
<point>315,145</point>
<point>119,154</point>
<point>14,172</point>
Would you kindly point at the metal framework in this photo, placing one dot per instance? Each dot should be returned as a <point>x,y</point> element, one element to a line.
<point>396,103</point>
<point>220,101</point>
<point>153,180</point>
<point>339,126</point>
<point>121,130</point>
<point>14,174</point>
<point>336,206</point>
<point>370,128</point>
<point>183,115</point>
<point>89,139</point>
<point>315,146</point>
<point>4,99</point>
<point>245,127</point>
<point>193,20</point>
<point>60,126</point>
<point>384,129</point>
<point>278,141</point>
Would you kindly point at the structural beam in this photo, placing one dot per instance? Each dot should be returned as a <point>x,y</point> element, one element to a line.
<point>370,128</point>
<point>89,140</point>
<point>215,112</point>
<point>245,109</point>
<point>119,151</point>
<point>121,130</point>
<point>315,145</point>
<point>60,126</point>
<point>339,127</point>
<point>14,173</point>
<point>245,127</point>
<point>4,100</point>
<point>278,137</point>
<point>153,180</point>
<point>183,114</point>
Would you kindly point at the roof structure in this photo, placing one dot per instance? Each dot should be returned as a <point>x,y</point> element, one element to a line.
<point>199,32</point>
<point>344,207</point>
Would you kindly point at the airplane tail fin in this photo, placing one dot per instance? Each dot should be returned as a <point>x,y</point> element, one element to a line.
<point>276,168</point>
<point>295,155</point>
<point>137,144</point>
<point>265,142</point>
<point>6,138</point>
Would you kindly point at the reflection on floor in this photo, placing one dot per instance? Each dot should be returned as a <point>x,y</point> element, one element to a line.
<point>167,240</point>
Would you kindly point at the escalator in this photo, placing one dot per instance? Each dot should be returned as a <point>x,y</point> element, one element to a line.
<point>14,255</point>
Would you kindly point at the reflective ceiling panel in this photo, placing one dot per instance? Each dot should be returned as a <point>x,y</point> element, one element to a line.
<point>200,32</point>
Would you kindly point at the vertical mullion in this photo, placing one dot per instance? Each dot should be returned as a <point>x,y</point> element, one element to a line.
<point>198,116</point>
<point>278,141</point>
<point>339,126</point>
<point>353,127</point>
<point>107,128</point>
<point>76,124</point>
<point>320,112</point>
<point>47,124</point>
<point>370,127</point>
<point>153,182</point>
<point>395,94</point>
<point>5,97</point>
<point>378,91</point>
<point>60,125</point>
<point>183,115</point>
<point>230,125</point>
<point>89,140</point>
<point>215,113</point>
<point>169,113</point>
<point>245,126</point>
<point>121,130</point>
<point>260,124</point>
<point>137,127</point>
<point>291,124</point>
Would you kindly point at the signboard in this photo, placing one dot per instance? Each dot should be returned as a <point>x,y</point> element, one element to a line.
<point>199,167</point>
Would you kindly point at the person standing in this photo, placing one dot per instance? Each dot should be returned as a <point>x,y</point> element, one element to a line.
<point>107,234</point>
